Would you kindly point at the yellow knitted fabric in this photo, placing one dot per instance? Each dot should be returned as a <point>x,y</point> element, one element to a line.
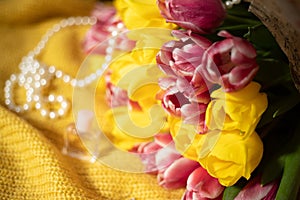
<point>31,163</point>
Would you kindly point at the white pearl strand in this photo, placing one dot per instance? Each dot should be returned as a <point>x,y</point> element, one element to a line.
<point>229,4</point>
<point>35,76</point>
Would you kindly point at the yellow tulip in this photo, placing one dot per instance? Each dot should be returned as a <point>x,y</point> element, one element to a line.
<point>137,73</point>
<point>125,127</point>
<point>233,157</point>
<point>140,14</point>
<point>239,110</point>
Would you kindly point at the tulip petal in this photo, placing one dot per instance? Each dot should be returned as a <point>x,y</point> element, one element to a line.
<point>203,184</point>
<point>176,175</point>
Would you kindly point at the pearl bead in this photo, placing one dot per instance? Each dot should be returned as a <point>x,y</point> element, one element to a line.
<point>59,99</point>
<point>51,97</point>
<point>66,78</point>
<point>37,77</point>
<point>61,112</point>
<point>99,72</point>
<point>80,83</point>
<point>120,25</point>
<point>52,115</point>
<point>73,82</point>
<point>13,77</point>
<point>109,50</point>
<point>37,84</point>
<point>52,69</point>
<point>25,106</point>
<point>56,28</point>
<point>229,4</point>
<point>38,106</point>
<point>17,109</point>
<point>44,112</point>
<point>114,33</point>
<point>43,82</point>
<point>7,101</point>
<point>93,77</point>
<point>41,71</point>
<point>58,74</point>
<point>36,98</point>
<point>64,104</point>
<point>7,95</point>
<point>107,58</point>
<point>93,20</point>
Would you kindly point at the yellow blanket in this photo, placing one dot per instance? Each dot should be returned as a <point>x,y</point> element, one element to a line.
<point>31,163</point>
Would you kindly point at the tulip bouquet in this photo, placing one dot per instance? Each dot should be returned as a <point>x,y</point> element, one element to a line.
<point>203,95</point>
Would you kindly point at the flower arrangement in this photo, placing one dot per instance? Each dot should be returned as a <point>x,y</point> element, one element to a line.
<point>211,106</point>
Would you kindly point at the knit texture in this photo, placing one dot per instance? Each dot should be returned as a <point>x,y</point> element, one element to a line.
<point>32,165</point>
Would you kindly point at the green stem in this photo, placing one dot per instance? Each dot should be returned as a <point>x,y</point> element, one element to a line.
<point>243,20</point>
<point>236,27</point>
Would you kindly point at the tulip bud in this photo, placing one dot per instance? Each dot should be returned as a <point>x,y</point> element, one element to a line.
<point>201,16</point>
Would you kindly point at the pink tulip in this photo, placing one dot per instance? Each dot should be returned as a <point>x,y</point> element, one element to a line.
<point>230,63</point>
<point>180,58</point>
<point>147,152</point>
<point>107,22</point>
<point>201,16</point>
<point>202,186</point>
<point>254,190</point>
<point>181,103</point>
<point>160,157</point>
<point>155,155</point>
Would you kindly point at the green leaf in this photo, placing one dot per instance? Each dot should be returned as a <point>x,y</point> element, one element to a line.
<point>261,37</point>
<point>282,154</point>
<point>272,72</point>
<point>232,191</point>
<point>265,44</point>
<point>290,182</point>
<point>281,99</point>
<point>272,170</point>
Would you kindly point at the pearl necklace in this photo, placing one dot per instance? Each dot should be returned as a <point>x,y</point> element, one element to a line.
<point>35,76</point>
